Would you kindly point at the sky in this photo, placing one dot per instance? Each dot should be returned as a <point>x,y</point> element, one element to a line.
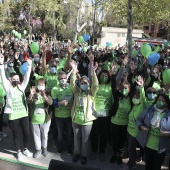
<point>88,1</point>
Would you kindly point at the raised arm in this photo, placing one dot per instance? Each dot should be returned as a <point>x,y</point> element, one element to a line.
<point>27,75</point>
<point>95,83</point>
<point>122,69</point>
<point>70,52</point>
<point>5,82</point>
<point>44,68</point>
<point>140,82</point>
<point>73,77</point>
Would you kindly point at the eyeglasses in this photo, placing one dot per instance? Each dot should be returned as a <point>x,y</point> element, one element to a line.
<point>54,66</point>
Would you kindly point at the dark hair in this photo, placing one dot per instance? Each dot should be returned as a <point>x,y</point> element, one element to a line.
<point>13,74</point>
<point>107,72</point>
<point>62,72</point>
<point>166,98</point>
<point>52,61</point>
<point>136,92</point>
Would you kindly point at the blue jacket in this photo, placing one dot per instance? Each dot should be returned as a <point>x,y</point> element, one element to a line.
<point>145,120</point>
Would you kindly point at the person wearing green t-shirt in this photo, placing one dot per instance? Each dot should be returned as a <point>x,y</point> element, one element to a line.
<point>154,130</point>
<point>119,121</point>
<point>103,101</point>
<point>132,129</point>
<point>40,118</point>
<point>62,101</point>
<point>16,106</point>
<point>82,112</point>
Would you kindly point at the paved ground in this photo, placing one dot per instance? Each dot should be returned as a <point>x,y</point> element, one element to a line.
<point>7,151</point>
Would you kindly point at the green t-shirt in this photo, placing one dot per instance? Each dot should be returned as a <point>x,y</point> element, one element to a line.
<point>51,80</point>
<point>154,136</point>
<point>63,94</point>
<point>134,114</point>
<point>39,113</point>
<point>62,62</point>
<point>80,117</point>
<point>18,107</point>
<point>156,85</point>
<point>106,65</point>
<point>122,114</point>
<point>103,100</point>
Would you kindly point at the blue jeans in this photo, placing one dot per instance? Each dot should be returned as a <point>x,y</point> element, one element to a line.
<point>64,128</point>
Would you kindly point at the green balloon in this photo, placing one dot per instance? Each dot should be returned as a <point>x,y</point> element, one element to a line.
<point>166,76</point>
<point>19,36</point>
<point>145,50</point>
<point>157,49</point>
<point>134,53</point>
<point>16,34</point>
<point>25,32</point>
<point>80,39</point>
<point>133,42</point>
<point>13,31</point>
<point>111,44</point>
<point>34,47</point>
<point>85,49</point>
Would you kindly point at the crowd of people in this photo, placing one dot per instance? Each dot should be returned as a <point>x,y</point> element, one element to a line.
<point>93,96</point>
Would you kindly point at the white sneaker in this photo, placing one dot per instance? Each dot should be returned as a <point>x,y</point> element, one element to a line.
<point>19,156</point>
<point>27,153</point>
<point>4,135</point>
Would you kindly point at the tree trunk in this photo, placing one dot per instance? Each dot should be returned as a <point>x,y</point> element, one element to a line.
<point>129,28</point>
<point>29,23</point>
<point>54,25</point>
<point>43,24</point>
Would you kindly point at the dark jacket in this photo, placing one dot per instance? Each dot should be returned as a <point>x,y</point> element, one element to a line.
<point>47,103</point>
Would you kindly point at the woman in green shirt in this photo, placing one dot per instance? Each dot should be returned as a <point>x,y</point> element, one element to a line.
<point>82,112</point>
<point>103,101</point>
<point>153,124</point>
<point>119,120</point>
<point>16,106</point>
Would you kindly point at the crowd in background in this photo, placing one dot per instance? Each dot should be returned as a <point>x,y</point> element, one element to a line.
<point>94,95</point>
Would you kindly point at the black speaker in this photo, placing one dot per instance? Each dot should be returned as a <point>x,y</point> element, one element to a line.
<point>60,165</point>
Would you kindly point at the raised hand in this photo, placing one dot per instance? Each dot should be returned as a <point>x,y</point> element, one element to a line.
<point>125,60</point>
<point>140,81</point>
<point>32,90</point>
<point>74,66</point>
<point>70,49</point>
<point>113,68</point>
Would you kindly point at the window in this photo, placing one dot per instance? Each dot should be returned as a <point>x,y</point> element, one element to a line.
<point>145,27</point>
<point>123,34</point>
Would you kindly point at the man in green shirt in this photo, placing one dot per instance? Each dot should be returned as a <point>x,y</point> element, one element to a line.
<point>62,101</point>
